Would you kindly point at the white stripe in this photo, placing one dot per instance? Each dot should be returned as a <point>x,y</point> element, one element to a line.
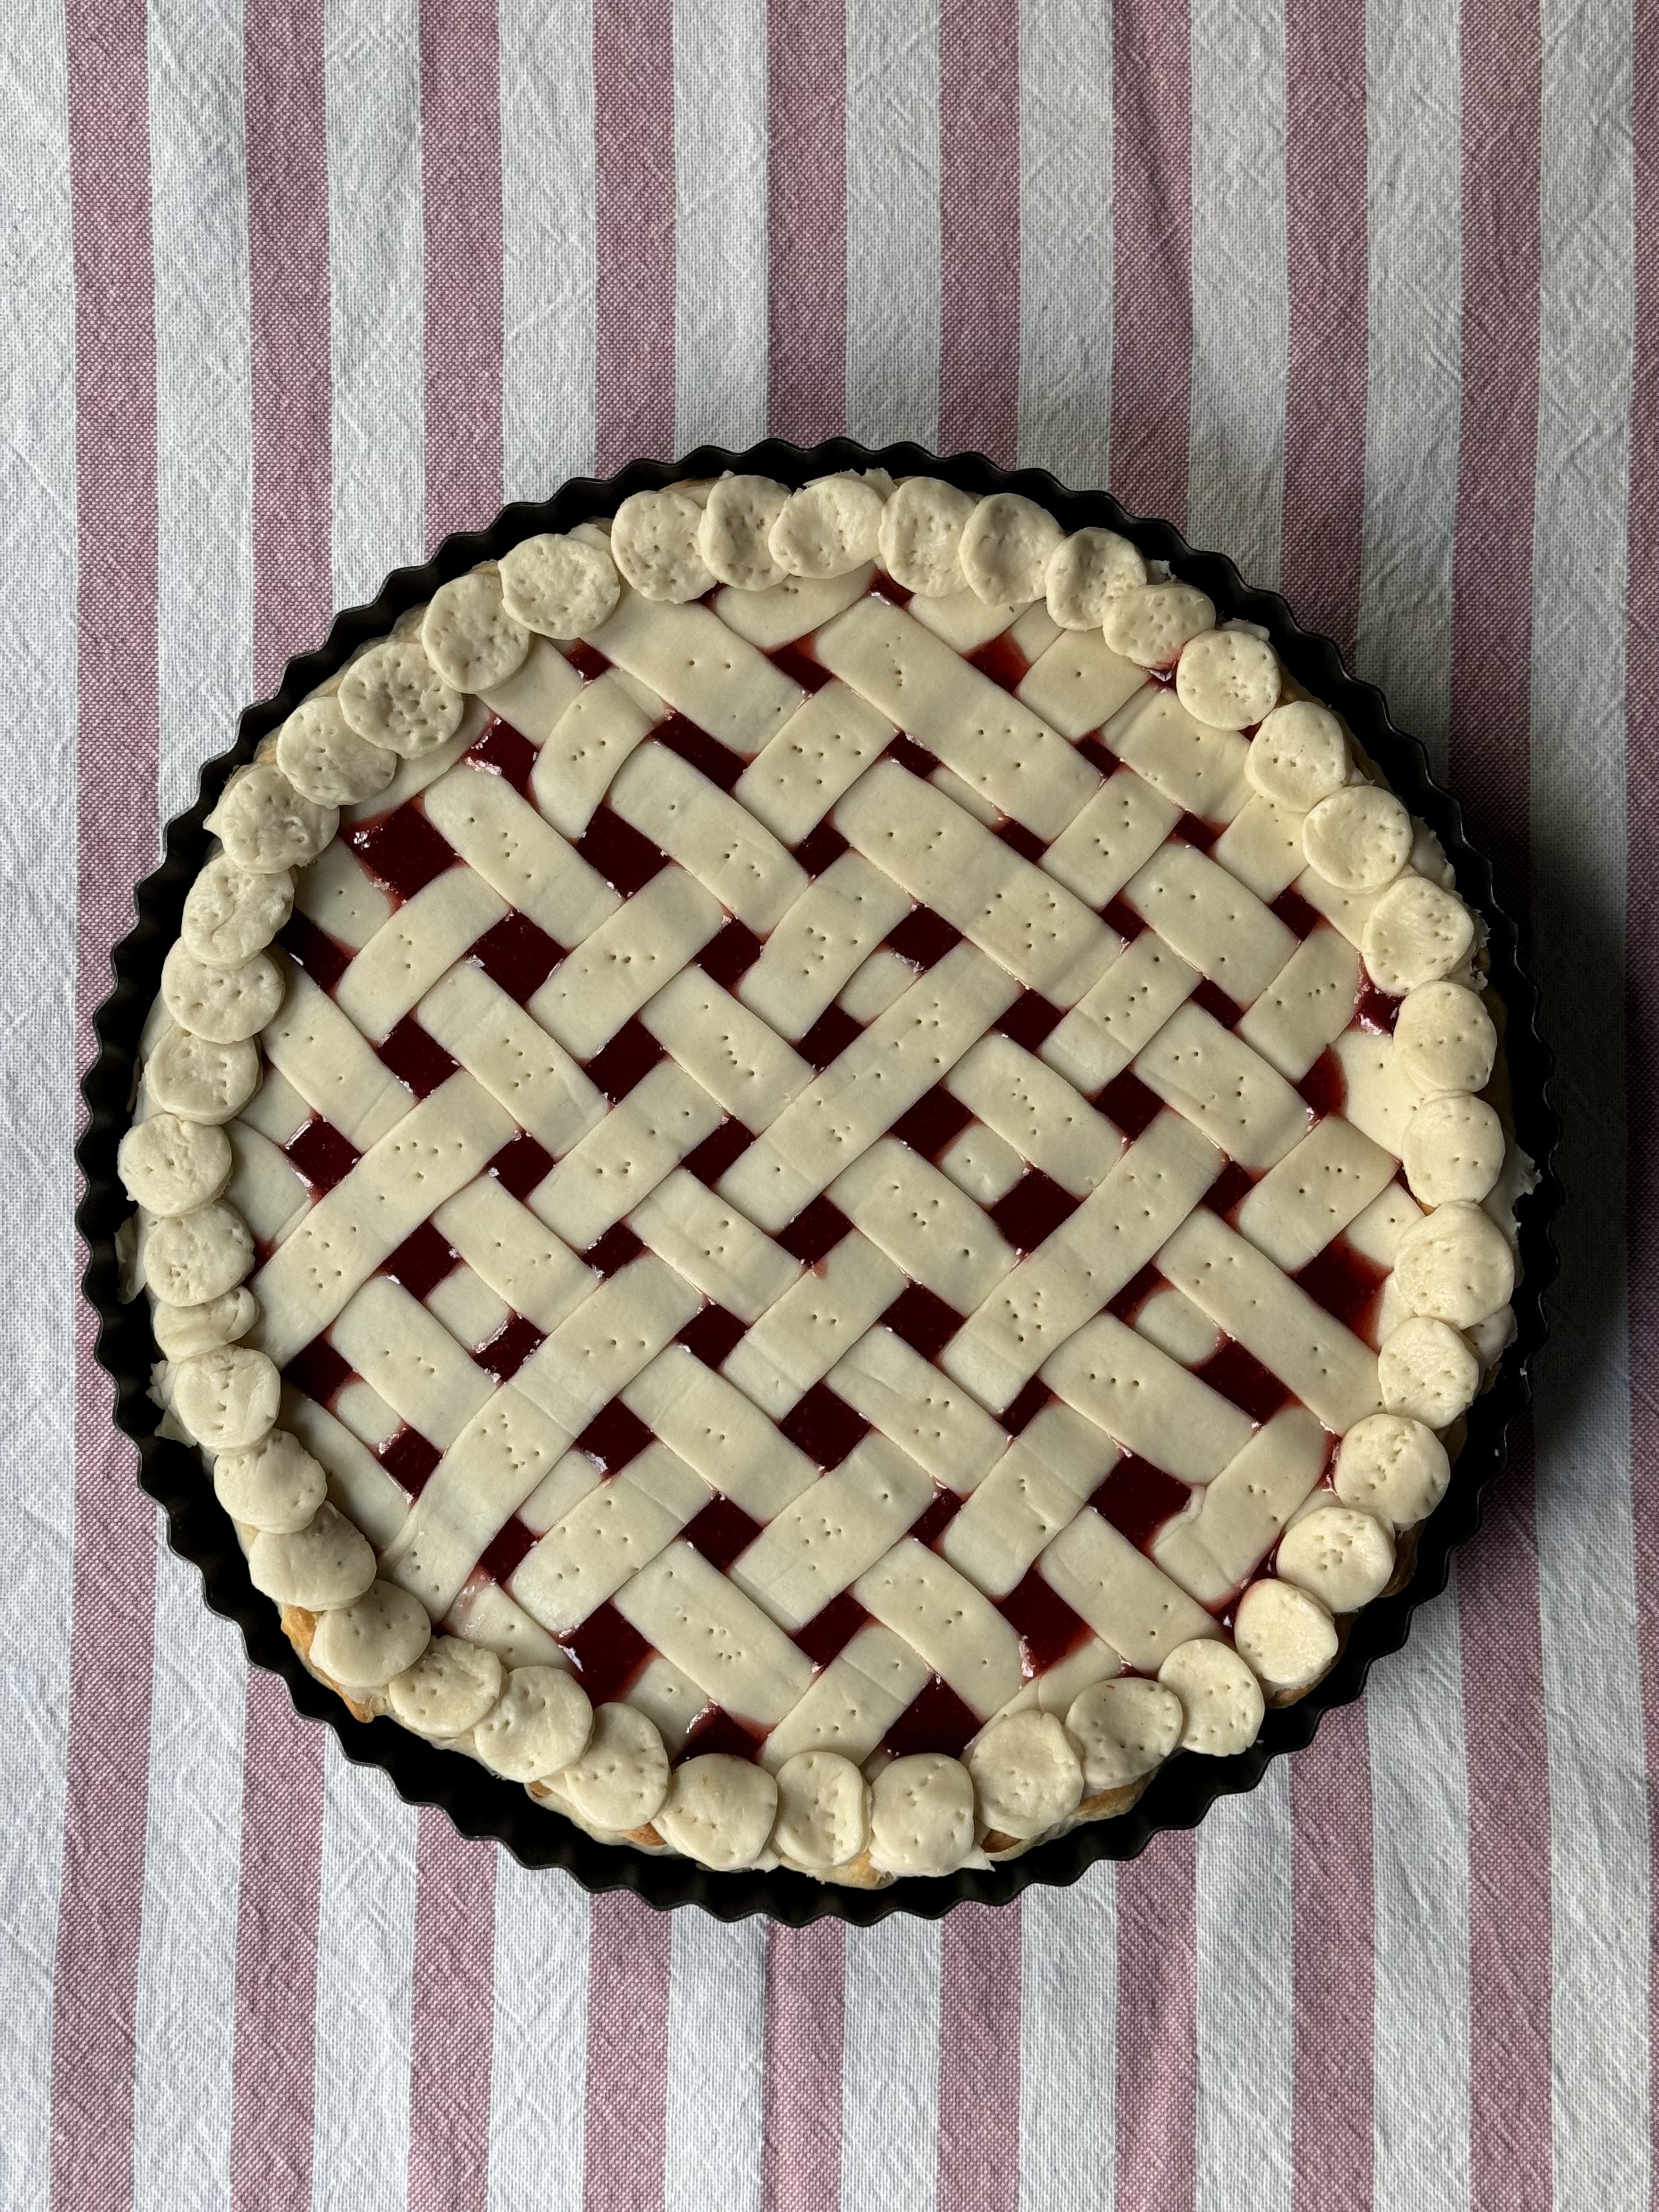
<point>890,2067</point>
<point>1420,1873</point>
<point>1241,307</point>
<point>365,1985</point>
<point>1068,2045</point>
<point>892,221</point>
<point>204,479</point>
<point>716,2044</point>
<point>538,2084</point>
<point>1591,1654</point>
<point>372,77</point>
<point>1246,2004</point>
<point>547,245</point>
<point>1066,238</point>
<point>187,1946</point>
<point>720,223</point>
<point>1414,387</point>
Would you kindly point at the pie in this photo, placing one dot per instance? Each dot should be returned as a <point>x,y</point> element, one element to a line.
<point>823,1174</point>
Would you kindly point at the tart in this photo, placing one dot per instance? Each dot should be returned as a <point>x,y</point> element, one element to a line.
<point>823,1174</point>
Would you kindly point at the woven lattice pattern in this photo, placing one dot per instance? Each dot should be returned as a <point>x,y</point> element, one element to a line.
<point>826,1161</point>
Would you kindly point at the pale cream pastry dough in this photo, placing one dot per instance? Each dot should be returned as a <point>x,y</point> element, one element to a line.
<point>816,1172</point>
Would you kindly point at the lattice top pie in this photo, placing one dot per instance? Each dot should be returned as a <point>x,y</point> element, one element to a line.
<point>857,1142</point>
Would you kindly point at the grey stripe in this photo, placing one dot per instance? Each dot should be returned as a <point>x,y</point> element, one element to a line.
<point>1236,476</point>
<point>1414,361</point>
<point>720,212</point>
<point>547,244</point>
<point>1066,238</point>
<point>892,221</point>
<point>1592,1660</point>
<point>538,2085</point>
<point>716,2041</point>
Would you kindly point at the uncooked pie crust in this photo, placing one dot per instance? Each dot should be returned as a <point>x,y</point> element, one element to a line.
<point>770,1175</point>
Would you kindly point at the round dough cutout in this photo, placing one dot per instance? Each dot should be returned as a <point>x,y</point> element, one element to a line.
<point>1085,571</point>
<point>265,826</point>
<point>1455,1265</point>
<point>325,760</point>
<point>1228,678</point>
<point>1124,1729</point>
<point>327,1562</point>
<point>224,1005</point>
<point>560,587</point>
<point>169,1166</point>
<point>199,1081</point>
<point>1444,1039</point>
<point>452,1686</point>
<point>620,1780</point>
<point>828,528</point>
<point>275,1485</point>
<point>540,1722</point>
<point>363,1644</point>
<point>228,1399</point>
<point>1286,1634</point>
<point>719,1810</point>
<point>230,912</point>
<point>1415,933</point>
<point>1299,755</point>
<point>1026,1775</point>
<point>1392,1466</point>
<point>919,540</point>
<point>1344,1557</point>
<point>921,1815</point>
<point>1427,1370</point>
<point>182,1332</point>
<point>392,697</point>
<point>190,1258</point>
<point>1006,547</point>
<point>470,637</point>
<point>1149,623</point>
<point>822,1809</point>
<point>734,536</point>
<point>1453,1148</point>
<point>653,541</point>
<point>1359,839</point>
<point>1220,1696</point>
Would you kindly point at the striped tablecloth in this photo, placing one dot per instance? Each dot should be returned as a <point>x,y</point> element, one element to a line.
<point>1370,298</point>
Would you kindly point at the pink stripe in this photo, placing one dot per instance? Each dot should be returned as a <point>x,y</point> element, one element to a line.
<point>1327,267</point>
<point>276,2012</point>
<point>806,219</point>
<point>1641,1079</point>
<point>461,180</point>
<point>1151,233</point>
<point>451,2020</point>
<point>288,332</point>
<point>979,2008</point>
<point>634,174</point>
<point>627,2055</point>
<point>979,226</point>
<point>96,1969</point>
<point>1510,1924</point>
<point>1333,2149</point>
<point>800,2143</point>
<point>275,2033</point>
<point>1157,2027</point>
